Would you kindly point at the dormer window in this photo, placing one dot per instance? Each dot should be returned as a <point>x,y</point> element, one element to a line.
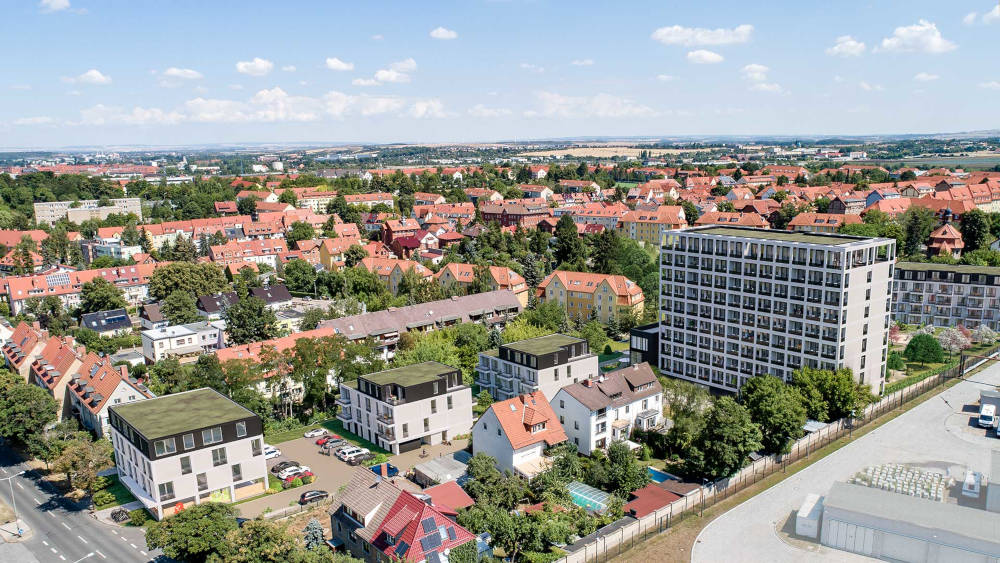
<point>389,539</point>
<point>538,427</point>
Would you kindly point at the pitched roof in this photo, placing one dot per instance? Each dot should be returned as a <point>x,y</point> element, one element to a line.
<point>419,531</point>
<point>588,283</point>
<point>449,495</point>
<point>617,388</point>
<point>823,219</point>
<point>517,415</point>
<point>272,294</point>
<point>96,380</point>
<point>217,302</point>
<point>732,218</point>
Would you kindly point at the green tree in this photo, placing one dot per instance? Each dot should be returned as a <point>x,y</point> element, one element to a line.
<point>625,472</point>
<point>896,362</point>
<point>777,408</point>
<point>918,222</point>
<point>521,329</point>
<point>100,295</point>
<point>354,254</point>
<point>593,333</point>
<point>250,320</point>
<point>300,230</point>
<point>605,252</point>
<point>924,348</point>
<point>179,308</point>
<point>247,205</point>
<point>829,395</point>
<point>184,249</point>
<point>691,212</point>
<point>313,535</point>
<point>975,230</point>
<point>198,279</point>
<point>25,409</point>
<point>484,400</point>
<point>569,249</point>
<point>725,442</point>
<point>195,534</point>
<point>300,276</point>
<point>82,459</point>
<point>289,197</point>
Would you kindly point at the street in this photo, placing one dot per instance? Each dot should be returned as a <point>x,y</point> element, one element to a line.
<point>60,531</point>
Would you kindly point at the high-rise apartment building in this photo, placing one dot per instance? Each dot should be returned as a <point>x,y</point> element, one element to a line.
<point>946,295</point>
<point>740,302</point>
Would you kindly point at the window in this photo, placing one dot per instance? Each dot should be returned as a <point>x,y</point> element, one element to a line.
<point>406,430</point>
<point>434,407</point>
<point>202,481</point>
<point>427,424</point>
<point>211,435</point>
<point>576,425</point>
<point>255,446</point>
<point>557,374</point>
<point>185,465</point>
<point>164,447</point>
<point>562,404</point>
<point>219,456</point>
<point>166,490</point>
<point>241,429</point>
<point>450,402</point>
<point>237,472</point>
<point>188,441</point>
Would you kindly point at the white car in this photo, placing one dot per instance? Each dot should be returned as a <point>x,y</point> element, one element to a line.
<point>348,453</point>
<point>271,452</point>
<point>292,471</point>
<point>316,433</point>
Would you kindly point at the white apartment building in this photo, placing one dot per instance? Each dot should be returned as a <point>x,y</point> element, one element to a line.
<point>79,211</point>
<point>188,448</point>
<point>596,412</point>
<point>180,340</point>
<point>740,302</point>
<point>546,363</point>
<point>946,295</point>
<point>405,408</point>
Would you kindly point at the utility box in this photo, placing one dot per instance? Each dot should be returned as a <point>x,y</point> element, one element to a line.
<point>807,519</point>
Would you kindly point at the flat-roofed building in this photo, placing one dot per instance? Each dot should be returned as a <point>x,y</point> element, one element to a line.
<point>545,363</point>
<point>740,302</point>
<point>946,294</point>
<point>79,211</point>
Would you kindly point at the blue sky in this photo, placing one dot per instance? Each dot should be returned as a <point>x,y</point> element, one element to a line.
<point>84,72</point>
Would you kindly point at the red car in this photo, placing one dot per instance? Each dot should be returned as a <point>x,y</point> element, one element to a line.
<point>326,439</point>
<point>301,475</point>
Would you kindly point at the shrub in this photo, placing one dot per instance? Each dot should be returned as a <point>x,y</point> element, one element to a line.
<point>100,484</point>
<point>607,349</point>
<point>297,482</point>
<point>103,498</point>
<point>138,517</point>
<point>646,453</point>
<point>308,479</point>
<point>377,460</point>
<point>896,361</point>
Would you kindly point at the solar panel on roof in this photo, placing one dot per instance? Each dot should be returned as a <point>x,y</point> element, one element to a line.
<point>432,557</point>
<point>428,524</point>
<point>57,279</point>
<point>451,533</point>
<point>402,548</point>
<point>430,541</point>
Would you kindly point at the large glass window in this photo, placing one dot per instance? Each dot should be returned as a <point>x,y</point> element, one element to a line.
<point>211,435</point>
<point>164,447</point>
<point>219,456</point>
<point>166,490</point>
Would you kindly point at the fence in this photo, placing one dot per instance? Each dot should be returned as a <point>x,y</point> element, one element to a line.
<point>294,509</point>
<point>625,533</point>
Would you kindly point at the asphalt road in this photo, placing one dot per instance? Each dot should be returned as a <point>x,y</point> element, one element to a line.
<point>939,434</point>
<point>61,532</point>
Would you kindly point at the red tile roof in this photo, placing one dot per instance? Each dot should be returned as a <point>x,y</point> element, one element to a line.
<point>518,414</point>
<point>449,495</point>
<point>648,500</point>
<point>421,527</point>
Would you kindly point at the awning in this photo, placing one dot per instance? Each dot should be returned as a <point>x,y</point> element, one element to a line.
<point>419,324</point>
<point>477,312</point>
<point>381,331</point>
<point>450,318</point>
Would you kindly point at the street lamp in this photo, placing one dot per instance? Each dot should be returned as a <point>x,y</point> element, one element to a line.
<point>13,501</point>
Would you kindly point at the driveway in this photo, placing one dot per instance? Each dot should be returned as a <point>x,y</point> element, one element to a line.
<point>936,434</point>
<point>331,473</point>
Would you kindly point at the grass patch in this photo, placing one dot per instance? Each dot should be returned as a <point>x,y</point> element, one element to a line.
<point>601,358</point>
<point>118,490</point>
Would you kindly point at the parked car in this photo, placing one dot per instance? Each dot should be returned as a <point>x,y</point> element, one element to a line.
<point>327,438</point>
<point>292,471</point>
<point>316,433</point>
<point>313,496</point>
<point>300,475</point>
<point>271,452</point>
<point>281,466</point>
<point>332,446</point>
<point>359,459</point>
<point>348,453</point>
<point>390,469</point>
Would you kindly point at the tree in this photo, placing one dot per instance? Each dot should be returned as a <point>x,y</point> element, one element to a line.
<point>300,276</point>
<point>484,399</point>
<point>184,249</point>
<point>82,459</point>
<point>100,295</point>
<point>725,442</point>
<point>606,249</point>
<point>625,473</point>
<point>247,205</point>
<point>262,541</point>
<point>198,279</point>
<point>250,320</point>
<point>569,248</point>
<point>691,212</point>
<point>179,308</point>
<point>953,340</point>
<point>984,334</point>
<point>300,230</point>
<point>56,247</point>
<point>521,329</point>
<point>25,409</point>
<point>313,535</point>
<point>829,395</point>
<point>289,197</point>
<point>777,408</point>
<point>593,333</point>
<point>895,361</point>
<point>195,534</point>
<point>354,254</point>
<point>918,222</point>
<point>975,230</point>
<point>780,196</point>
<point>924,348</point>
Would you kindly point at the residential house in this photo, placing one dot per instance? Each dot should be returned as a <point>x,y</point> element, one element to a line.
<point>425,198</point>
<point>848,204</point>
<point>150,316</point>
<point>370,200</point>
<point>399,228</point>
<point>274,296</point>
<point>391,270</point>
<point>545,363</point>
<point>577,186</point>
<point>516,432</point>
<point>132,280</point>
<point>96,386</point>
<point>946,295</point>
<point>211,307</point>
<point>644,344</point>
<point>107,323</point>
<point>945,241</point>
<point>51,370</point>
<point>526,213</point>
<point>331,252</point>
<point>482,194</point>
<point>498,277</point>
<point>185,341</point>
<point>586,295</point>
<point>821,222</point>
<point>27,341</point>
<point>648,227</point>
<point>264,251</point>
<point>13,263</point>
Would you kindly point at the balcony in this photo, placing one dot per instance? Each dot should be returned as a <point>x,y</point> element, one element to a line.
<point>386,433</point>
<point>344,400</point>
<point>385,417</point>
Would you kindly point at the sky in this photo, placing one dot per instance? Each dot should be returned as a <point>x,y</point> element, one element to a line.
<point>145,72</point>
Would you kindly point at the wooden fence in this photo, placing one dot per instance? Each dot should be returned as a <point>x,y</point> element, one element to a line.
<point>622,535</point>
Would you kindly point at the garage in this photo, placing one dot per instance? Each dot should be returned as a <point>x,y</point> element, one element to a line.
<point>410,445</point>
<point>898,527</point>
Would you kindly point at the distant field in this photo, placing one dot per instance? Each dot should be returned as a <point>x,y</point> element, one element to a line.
<point>608,152</point>
<point>986,161</point>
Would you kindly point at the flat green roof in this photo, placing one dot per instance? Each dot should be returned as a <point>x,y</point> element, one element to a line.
<point>774,234</point>
<point>413,374</point>
<point>491,352</point>
<point>957,268</point>
<point>180,412</point>
<point>543,344</point>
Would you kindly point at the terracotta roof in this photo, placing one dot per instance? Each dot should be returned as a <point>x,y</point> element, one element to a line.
<point>648,499</point>
<point>449,495</point>
<point>96,380</point>
<point>419,531</point>
<point>516,416</point>
<point>664,215</point>
<point>823,219</point>
<point>588,283</point>
<point>466,273</point>
<point>732,218</point>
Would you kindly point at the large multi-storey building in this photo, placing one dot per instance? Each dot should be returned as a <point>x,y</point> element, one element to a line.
<point>79,211</point>
<point>737,303</point>
<point>598,296</point>
<point>404,408</point>
<point>545,363</point>
<point>946,295</point>
<point>188,448</point>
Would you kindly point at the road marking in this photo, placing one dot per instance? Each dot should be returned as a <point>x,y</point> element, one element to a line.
<point>61,557</point>
<point>143,553</point>
<point>101,554</point>
<point>83,540</point>
<point>36,500</point>
<point>133,546</point>
<point>45,543</point>
<point>51,514</point>
<point>65,525</point>
<point>20,485</point>
<point>53,550</point>
<point>4,470</point>
<point>123,538</point>
<point>115,532</point>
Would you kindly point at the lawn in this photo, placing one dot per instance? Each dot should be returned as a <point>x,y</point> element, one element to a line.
<point>333,425</point>
<point>121,494</point>
<point>916,371</point>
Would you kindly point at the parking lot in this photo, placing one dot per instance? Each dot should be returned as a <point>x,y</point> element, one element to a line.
<point>330,472</point>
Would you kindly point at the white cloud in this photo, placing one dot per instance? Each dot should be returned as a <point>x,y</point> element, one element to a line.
<point>601,105</point>
<point>442,33</point>
<point>376,105</point>
<point>479,110</point>
<point>256,67</point>
<point>697,36</point>
<point>20,87</point>
<point>970,18</point>
<point>838,78</point>
<point>666,77</point>
<point>288,68</point>
<point>870,87</point>
<point>426,109</point>
<point>925,77</point>
<point>405,65</point>
<point>846,46</point>
<point>767,87</point>
<point>37,120</point>
<point>532,68</point>
<point>364,82</point>
<point>755,72</point>
<point>49,6</point>
<point>582,62</point>
<point>101,114</point>
<point>922,37</point>
<point>991,85</point>
<point>377,37</point>
<point>182,73</point>
<point>993,15</point>
<point>333,63</point>
<point>398,72</point>
<point>390,75</point>
<point>703,57</point>
<point>92,76</point>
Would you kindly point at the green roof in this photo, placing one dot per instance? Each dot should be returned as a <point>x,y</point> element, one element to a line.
<point>413,374</point>
<point>180,412</point>
<point>776,235</point>
<point>957,268</point>
<point>543,344</point>
<point>491,352</point>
